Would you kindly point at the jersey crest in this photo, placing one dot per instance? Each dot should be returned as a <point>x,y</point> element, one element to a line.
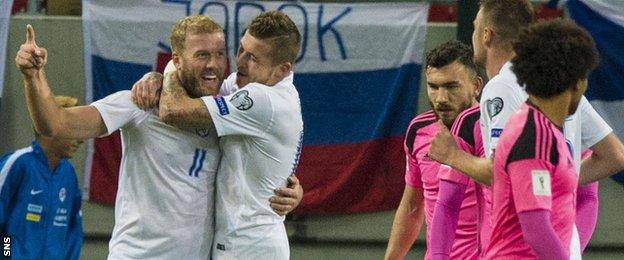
<point>62,194</point>
<point>202,132</point>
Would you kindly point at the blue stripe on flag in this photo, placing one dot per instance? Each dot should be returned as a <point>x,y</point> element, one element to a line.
<point>353,107</point>
<point>338,107</point>
<point>606,81</point>
<point>110,76</point>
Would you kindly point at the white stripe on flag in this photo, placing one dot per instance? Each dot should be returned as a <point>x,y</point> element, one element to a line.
<point>5,14</point>
<point>611,112</point>
<point>610,9</point>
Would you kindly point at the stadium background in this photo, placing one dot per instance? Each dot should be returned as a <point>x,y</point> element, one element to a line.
<point>356,236</point>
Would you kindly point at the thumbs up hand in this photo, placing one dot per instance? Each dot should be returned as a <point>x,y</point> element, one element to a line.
<point>30,58</point>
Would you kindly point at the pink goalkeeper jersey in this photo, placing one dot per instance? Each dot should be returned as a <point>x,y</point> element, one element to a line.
<point>467,132</point>
<point>422,173</point>
<point>533,170</point>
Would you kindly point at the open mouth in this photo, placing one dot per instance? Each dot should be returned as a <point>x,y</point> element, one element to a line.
<point>210,77</point>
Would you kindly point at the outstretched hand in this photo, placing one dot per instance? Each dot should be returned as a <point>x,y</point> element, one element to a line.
<point>442,145</point>
<point>30,58</point>
<point>146,91</point>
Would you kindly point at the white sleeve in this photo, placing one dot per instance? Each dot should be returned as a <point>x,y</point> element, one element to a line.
<point>229,85</point>
<point>593,127</point>
<point>169,67</point>
<point>248,111</point>
<point>500,104</point>
<point>117,111</point>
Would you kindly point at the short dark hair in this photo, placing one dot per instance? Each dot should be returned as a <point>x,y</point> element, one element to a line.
<point>280,31</point>
<point>450,52</point>
<point>553,56</point>
<point>507,18</point>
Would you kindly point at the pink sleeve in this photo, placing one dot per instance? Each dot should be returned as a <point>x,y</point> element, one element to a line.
<point>531,181</point>
<point>412,173</point>
<point>445,217</point>
<point>450,174</point>
<point>586,212</point>
<point>538,232</point>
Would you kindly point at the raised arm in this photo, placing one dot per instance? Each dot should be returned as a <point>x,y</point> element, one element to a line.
<point>444,150</point>
<point>178,109</point>
<point>48,118</point>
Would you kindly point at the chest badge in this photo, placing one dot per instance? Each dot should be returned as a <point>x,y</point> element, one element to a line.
<point>202,132</point>
<point>62,194</point>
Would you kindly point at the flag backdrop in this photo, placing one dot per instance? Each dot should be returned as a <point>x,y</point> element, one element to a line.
<point>5,14</point>
<point>357,75</point>
<point>604,19</point>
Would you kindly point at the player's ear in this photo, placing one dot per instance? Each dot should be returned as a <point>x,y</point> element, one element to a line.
<point>581,85</point>
<point>283,70</point>
<point>488,36</point>
<point>478,85</point>
<point>175,57</point>
<point>286,67</point>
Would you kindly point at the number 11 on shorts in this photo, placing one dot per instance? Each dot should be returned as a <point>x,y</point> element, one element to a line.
<point>198,162</point>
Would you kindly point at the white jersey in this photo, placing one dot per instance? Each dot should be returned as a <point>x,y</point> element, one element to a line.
<point>502,96</point>
<point>260,130</point>
<point>165,200</point>
<point>583,130</point>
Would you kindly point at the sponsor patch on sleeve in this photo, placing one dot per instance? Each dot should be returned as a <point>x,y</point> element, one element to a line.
<point>223,108</point>
<point>540,179</point>
<point>496,132</point>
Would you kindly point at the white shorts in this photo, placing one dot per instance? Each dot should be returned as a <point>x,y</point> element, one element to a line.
<point>262,242</point>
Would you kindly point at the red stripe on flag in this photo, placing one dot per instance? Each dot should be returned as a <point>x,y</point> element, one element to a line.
<point>105,169</point>
<point>341,179</point>
<point>337,179</point>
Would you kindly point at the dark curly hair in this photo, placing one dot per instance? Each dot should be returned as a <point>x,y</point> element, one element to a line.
<point>553,56</point>
<point>450,52</point>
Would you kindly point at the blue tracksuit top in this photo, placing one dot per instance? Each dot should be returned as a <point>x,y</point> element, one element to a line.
<point>40,209</point>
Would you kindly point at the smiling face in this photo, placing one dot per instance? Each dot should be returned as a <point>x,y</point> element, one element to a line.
<point>254,62</point>
<point>202,63</point>
<point>451,89</point>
